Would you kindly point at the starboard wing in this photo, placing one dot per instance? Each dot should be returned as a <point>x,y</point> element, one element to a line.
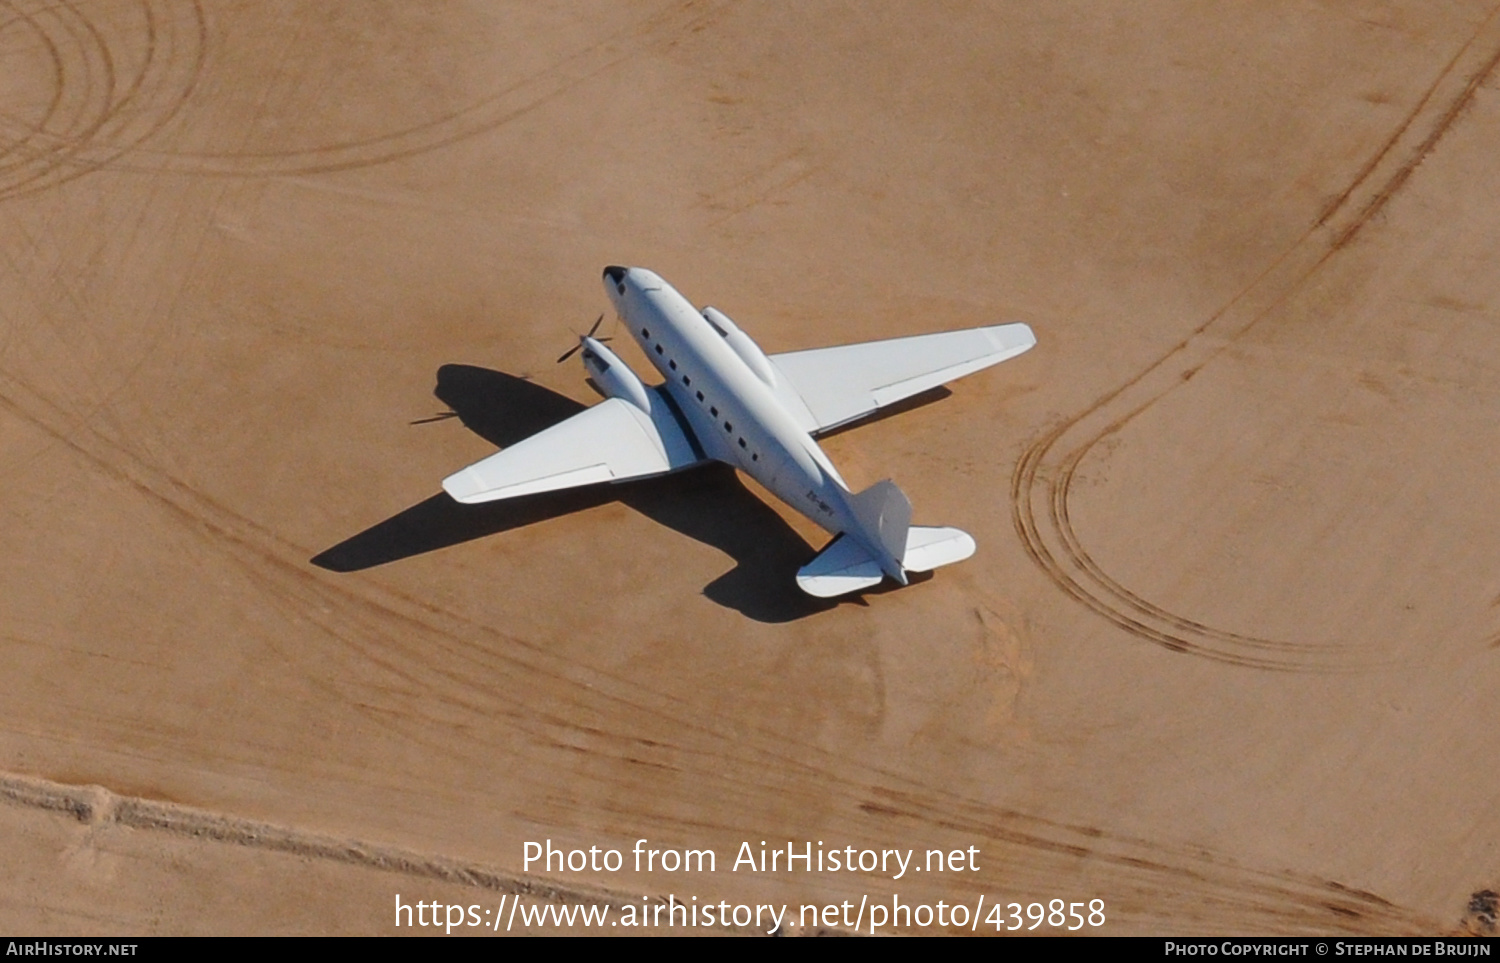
<point>841,384</point>
<point>610,442</point>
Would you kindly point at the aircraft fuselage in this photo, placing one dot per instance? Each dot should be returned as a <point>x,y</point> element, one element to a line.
<point>732,412</point>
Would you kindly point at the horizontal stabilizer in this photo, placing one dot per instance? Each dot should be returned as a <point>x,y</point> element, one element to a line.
<point>930,548</point>
<point>842,567</point>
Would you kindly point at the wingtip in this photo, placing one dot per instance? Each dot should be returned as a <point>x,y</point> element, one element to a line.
<point>1014,338</point>
<point>461,486</point>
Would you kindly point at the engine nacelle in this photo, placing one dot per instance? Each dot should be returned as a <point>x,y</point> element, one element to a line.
<point>738,340</point>
<point>613,376</point>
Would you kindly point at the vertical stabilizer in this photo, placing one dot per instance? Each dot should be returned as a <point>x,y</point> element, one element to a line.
<point>884,516</point>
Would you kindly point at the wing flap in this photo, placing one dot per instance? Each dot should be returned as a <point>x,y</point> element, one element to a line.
<point>610,442</point>
<point>840,384</point>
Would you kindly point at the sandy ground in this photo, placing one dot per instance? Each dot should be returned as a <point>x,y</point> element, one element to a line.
<point>1221,659</point>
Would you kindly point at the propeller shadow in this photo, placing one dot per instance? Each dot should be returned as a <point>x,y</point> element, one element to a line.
<point>708,504</point>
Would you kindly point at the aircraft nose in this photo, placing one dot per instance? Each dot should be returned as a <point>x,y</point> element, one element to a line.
<point>615,273</point>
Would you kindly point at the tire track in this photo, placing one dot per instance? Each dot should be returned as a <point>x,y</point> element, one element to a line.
<point>98,806</point>
<point>432,665</point>
<point>96,120</point>
<point>32,130</point>
<point>99,109</point>
<point>435,661</point>
<point>1042,483</point>
<point>489,113</point>
<point>1284,903</point>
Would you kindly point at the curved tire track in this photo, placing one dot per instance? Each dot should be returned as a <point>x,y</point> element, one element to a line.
<point>101,115</point>
<point>430,688</point>
<point>112,89</point>
<point>437,660</point>
<point>1041,486</point>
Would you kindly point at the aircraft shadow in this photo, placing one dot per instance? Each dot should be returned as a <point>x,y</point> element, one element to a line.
<point>708,504</point>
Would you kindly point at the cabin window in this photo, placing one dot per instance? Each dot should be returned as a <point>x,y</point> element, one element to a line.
<point>755,457</point>
<point>658,350</point>
<point>728,426</point>
<point>742,443</point>
<point>700,396</point>
<point>672,365</point>
<point>645,333</point>
<point>713,411</point>
<point>686,380</point>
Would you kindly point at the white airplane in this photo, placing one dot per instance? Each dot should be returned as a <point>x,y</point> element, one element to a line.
<point>725,400</point>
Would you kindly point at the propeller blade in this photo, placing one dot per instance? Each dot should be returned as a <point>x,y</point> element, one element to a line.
<point>574,350</point>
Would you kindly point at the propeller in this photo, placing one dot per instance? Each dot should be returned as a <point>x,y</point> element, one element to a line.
<point>574,350</point>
